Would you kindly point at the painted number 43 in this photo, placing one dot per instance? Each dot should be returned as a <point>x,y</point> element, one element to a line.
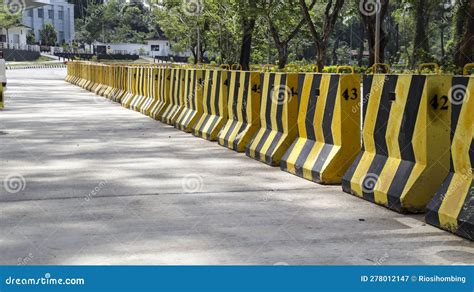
<point>352,95</point>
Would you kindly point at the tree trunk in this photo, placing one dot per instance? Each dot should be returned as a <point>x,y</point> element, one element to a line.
<point>194,52</point>
<point>442,41</point>
<point>321,40</point>
<point>335,60</point>
<point>466,45</point>
<point>282,55</point>
<point>370,23</point>
<point>246,47</point>
<point>420,46</point>
<point>321,58</point>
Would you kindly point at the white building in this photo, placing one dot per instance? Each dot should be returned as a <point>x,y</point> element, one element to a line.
<point>15,37</point>
<point>59,13</point>
<point>153,48</point>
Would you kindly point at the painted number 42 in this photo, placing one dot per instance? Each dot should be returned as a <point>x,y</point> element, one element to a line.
<point>440,103</point>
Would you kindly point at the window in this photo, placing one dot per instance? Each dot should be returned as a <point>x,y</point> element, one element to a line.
<point>51,14</point>
<point>155,48</point>
<point>40,13</point>
<point>61,37</point>
<point>61,12</point>
<point>29,12</point>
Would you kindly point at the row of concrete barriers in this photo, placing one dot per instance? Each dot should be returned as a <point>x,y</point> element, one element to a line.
<point>415,153</point>
<point>36,66</point>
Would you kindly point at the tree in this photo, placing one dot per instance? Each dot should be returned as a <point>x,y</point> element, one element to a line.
<point>284,23</point>
<point>8,20</point>
<point>321,40</point>
<point>248,19</point>
<point>368,14</point>
<point>464,32</point>
<point>181,25</point>
<point>115,21</point>
<point>421,43</point>
<point>81,7</point>
<point>48,35</point>
<point>30,38</point>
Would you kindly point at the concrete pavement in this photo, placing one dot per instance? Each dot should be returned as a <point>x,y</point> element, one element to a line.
<point>85,181</point>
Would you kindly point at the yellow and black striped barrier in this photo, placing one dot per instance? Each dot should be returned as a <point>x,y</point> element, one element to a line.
<point>163,97</point>
<point>176,100</point>
<point>123,84</point>
<point>418,130</point>
<point>278,117</point>
<point>140,88</point>
<point>243,109</point>
<point>99,79</point>
<point>117,87</point>
<point>110,82</point>
<point>328,127</point>
<point>192,100</point>
<point>405,141</point>
<point>2,102</point>
<point>151,95</point>
<point>105,80</point>
<point>146,95</point>
<point>133,81</point>
<point>452,207</point>
<point>214,98</point>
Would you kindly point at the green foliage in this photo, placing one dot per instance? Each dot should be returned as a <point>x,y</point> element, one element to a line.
<point>114,22</point>
<point>30,38</point>
<point>221,24</point>
<point>8,20</point>
<point>48,35</point>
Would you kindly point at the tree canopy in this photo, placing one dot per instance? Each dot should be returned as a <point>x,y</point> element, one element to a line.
<point>284,31</point>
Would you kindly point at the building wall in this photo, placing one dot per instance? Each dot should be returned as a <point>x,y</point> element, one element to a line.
<point>59,13</point>
<point>152,48</point>
<point>159,48</point>
<point>16,35</point>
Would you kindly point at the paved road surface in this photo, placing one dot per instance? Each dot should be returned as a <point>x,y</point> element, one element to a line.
<point>106,185</point>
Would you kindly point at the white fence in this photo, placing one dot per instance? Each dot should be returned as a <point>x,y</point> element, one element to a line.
<point>32,48</point>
